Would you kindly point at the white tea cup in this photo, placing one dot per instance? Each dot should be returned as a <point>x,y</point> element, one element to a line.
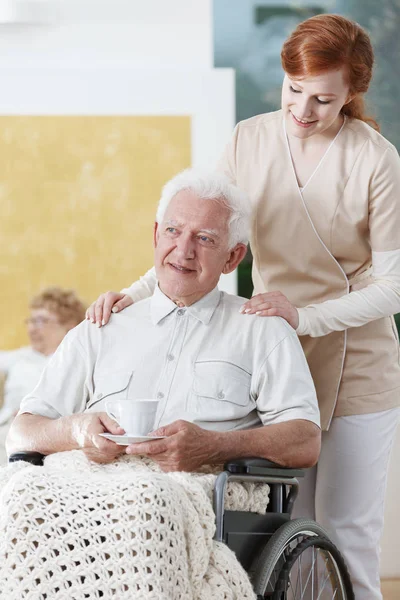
<point>136,417</point>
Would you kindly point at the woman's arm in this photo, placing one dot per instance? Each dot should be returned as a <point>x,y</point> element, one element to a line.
<point>100,310</point>
<point>381,298</point>
<point>378,299</point>
<point>143,288</point>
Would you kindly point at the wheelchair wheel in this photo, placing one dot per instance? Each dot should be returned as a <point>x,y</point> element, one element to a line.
<point>301,563</point>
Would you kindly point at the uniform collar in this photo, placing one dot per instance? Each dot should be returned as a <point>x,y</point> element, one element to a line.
<point>161,306</point>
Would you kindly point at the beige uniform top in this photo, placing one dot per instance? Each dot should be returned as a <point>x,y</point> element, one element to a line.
<point>317,245</point>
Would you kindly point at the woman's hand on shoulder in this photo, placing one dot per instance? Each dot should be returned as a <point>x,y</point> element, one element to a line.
<point>100,310</point>
<point>272,304</point>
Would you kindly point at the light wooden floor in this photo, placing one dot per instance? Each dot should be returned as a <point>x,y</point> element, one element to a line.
<point>391,589</point>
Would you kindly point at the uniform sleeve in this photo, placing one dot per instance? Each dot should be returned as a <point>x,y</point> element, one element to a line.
<point>139,290</point>
<point>381,298</point>
<point>285,387</point>
<point>384,204</point>
<point>227,162</point>
<point>62,387</point>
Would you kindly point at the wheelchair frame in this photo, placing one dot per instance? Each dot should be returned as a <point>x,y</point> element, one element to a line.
<point>247,533</point>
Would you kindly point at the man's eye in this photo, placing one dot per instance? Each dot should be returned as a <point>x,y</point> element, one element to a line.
<point>205,238</point>
<point>295,91</point>
<point>171,229</point>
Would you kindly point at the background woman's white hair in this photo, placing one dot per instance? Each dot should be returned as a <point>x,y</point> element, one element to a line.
<point>212,186</point>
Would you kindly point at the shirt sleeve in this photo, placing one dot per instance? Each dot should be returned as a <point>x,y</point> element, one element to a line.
<point>381,298</point>
<point>285,387</point>
<point>62,387</point>
<point>139,290</point>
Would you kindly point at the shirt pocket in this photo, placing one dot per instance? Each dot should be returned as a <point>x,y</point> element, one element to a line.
<point>111,385</point>
<point>220,391</point>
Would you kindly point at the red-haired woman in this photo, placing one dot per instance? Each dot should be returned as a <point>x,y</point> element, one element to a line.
<point>325,187</point>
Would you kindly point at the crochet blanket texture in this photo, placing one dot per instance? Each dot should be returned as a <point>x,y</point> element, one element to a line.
<point>73,529</point>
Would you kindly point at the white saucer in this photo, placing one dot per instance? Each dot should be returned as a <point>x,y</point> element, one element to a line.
<point>125,440</point>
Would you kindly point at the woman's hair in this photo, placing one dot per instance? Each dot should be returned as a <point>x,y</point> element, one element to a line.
<point>212,186</point>
<point>327,42</point>
<point>63,303</point>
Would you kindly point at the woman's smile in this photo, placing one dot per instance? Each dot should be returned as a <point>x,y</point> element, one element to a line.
<point>301,122</point>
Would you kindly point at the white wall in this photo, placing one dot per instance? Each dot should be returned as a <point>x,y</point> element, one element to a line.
<point>119,57</point>
<point>134,33</point>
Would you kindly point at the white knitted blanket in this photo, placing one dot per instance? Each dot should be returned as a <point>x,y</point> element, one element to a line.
<point>75,529</point>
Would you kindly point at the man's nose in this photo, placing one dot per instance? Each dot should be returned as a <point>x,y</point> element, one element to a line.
<point>186,247</point>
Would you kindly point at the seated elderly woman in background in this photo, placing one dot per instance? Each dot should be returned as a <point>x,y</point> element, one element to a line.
<point>53,312</point>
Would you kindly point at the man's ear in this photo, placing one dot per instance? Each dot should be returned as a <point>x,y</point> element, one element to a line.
<point>236,255</point>
<point>155,234</point>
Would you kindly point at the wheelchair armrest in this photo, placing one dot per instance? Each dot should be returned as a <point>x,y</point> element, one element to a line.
<point>260,466</point>
<point>35,458</point>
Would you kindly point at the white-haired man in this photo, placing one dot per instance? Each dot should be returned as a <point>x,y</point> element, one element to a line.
<point>227,386</point>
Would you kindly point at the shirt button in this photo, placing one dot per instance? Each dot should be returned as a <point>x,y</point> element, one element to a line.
<point>170,357</point>
<point>180,312</point>
<point>221,395</point>
<point>100,395</point>
<point>160,395</point>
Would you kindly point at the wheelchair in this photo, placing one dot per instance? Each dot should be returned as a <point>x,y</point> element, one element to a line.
<point>285,559</point>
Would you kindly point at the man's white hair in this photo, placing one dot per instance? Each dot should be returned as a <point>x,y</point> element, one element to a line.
<point>212,185</point>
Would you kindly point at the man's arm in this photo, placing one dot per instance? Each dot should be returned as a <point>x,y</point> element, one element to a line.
<point>45,435</point>
<point>187,447</point>
<point>294,443</point>
<point>51,417</point>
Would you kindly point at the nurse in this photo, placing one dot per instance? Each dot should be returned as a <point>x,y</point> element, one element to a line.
<point>325,190</point>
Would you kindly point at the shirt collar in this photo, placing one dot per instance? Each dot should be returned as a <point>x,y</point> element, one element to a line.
<point>161,306</point>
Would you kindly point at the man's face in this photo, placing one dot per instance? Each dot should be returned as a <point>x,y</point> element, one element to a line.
<point>191,247</point>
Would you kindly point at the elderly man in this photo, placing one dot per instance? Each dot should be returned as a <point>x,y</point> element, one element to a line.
<point>227,386</point>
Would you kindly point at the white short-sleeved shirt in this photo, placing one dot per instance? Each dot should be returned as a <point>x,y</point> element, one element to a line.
<point>206,363</point>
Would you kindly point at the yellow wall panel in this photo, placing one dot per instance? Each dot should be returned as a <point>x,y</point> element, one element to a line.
<point>77,203</point>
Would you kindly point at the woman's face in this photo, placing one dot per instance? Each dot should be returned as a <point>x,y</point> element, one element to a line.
<point>312,105</point>
<point>45,331</point>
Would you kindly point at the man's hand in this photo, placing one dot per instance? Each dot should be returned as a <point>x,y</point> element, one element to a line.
<point>272,304</point>
<point>100,310</point>
<point>186,447</point>
<point>85,429</point>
